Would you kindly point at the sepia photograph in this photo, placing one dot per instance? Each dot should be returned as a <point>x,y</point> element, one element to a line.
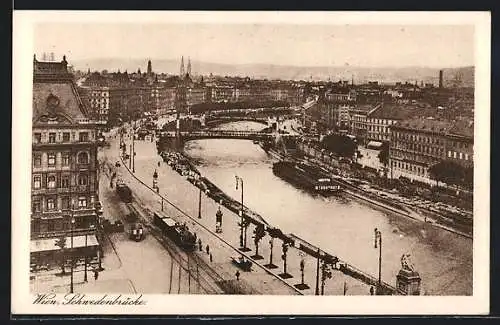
<point>209,162</point>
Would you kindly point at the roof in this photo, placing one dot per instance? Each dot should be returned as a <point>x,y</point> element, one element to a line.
<point>463,128</point>
<point>374,144</point>
<point>393,111</point>
<point>425,124</point>
<point>49,244</point>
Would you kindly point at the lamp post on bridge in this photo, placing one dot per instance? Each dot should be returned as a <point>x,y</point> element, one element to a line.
<point>239,181</point>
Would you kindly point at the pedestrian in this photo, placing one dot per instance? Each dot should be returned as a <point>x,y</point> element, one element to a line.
<point>237,275</point>
<point>158,164</point>
<point>96,275</point>
<point>208,249</point>
<point>371,291</point>
<point>199,245</point>
<point>211,258</point>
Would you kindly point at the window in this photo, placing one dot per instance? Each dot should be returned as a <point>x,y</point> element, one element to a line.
<point>52,137</point>
<point>466,157</point>
<point>83,137</point>
<point>37,160</point>
<point>52,159</point>
<point>82,180</point>
<point>65,159</point>
<point>51,205</point>
<point>460,155</point>
<point>36,205</point>
<point>51,181</point>
<point>449,153</point>
<point>37,137</point>
<point>65,202</point>
<point>66,136</point>
<point>37,182</point>
<point>65,182</point>
<point>454,154</point>
<point>82,202</point>
<point>83,158</point>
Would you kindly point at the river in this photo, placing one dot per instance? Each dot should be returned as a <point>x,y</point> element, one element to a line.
<point>339,225</point>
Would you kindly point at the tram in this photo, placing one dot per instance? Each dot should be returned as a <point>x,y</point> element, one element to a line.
<point>136,231</point>
<point>124,192</point>
<point>176,231</point>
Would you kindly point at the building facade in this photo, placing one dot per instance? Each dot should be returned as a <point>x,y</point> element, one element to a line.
<point>64,188</point>
<point>416,145</point>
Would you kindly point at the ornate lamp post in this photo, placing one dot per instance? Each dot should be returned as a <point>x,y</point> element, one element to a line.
<point>155,180</point>
<point>239,180</point>
<point>218,221</point>
<point>302,285</point>
<point>72,253</point>
<point>378,237</point>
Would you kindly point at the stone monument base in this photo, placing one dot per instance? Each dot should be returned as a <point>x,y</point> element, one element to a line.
<point>408,282</point>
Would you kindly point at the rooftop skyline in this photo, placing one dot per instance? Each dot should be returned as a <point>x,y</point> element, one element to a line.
<point>436,46</point>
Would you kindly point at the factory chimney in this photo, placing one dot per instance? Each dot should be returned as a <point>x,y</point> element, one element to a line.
<point>440,78</point>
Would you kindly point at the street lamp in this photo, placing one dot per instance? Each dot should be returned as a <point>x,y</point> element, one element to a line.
<point>378,237</point>
<point>239,180</point>
<point>72,253</point>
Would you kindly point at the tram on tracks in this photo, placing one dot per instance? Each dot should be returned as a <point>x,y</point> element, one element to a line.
<point>136,231</point>
<point>179,233</point>
<point>124,192</point>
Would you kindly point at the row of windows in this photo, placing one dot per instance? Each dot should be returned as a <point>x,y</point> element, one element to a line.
<point>82,158</point>
<point>409,167</point>
<point>459,155</point>
<point>418,138</point>
<point>83,179</point>
<point>414,157</point>
<point>51,203</point>
<point>419,148</point>
<point>380,121</point>
<point>65,137</point>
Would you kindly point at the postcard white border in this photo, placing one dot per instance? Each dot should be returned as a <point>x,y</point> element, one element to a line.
<point>23,52</point>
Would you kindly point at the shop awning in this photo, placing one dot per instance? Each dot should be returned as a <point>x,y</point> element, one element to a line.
<point>49,244</point>
<point>374,145</point>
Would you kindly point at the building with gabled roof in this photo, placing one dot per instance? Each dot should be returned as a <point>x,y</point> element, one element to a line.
<point>65,188</point>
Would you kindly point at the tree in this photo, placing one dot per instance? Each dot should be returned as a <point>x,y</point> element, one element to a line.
<point>447,172</point>
<point>259,233</point>
<point>61,243</point>
<point>339,144</point>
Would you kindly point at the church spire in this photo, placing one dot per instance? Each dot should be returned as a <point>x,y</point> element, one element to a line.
<point>182,67</point>
<point>189,66</point>
<point>150,68</point>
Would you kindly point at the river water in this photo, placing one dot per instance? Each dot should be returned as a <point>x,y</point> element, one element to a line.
<point>340,225</point>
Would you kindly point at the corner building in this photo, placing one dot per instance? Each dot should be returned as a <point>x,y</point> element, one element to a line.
<point>64,188</point>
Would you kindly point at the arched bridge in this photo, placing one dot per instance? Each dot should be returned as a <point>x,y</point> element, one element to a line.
<point>225,134</point>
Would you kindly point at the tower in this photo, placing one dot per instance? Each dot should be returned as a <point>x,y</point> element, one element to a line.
<point>189,66</point>
<point>182,67</point>
<point>150,68</point>
<point>440,78</point>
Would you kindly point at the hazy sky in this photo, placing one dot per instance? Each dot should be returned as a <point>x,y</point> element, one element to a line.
<point>301,45</point>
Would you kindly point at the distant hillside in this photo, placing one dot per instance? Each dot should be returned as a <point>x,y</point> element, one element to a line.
<point>270,71</point>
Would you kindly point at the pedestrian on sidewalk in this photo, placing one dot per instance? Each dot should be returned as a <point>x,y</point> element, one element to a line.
<point>211,259</point>
<point>371,291</point>
<point>199,245</point>
<point>96,275</point>
<point>237,275</point>
<point>208,249</point>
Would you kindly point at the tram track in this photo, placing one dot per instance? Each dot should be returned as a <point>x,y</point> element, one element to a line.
<point>208,276</point>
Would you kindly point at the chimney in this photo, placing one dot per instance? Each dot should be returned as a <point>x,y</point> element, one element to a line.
<point>440,78</point>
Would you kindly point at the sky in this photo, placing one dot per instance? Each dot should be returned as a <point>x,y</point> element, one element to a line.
<point>298,45</point>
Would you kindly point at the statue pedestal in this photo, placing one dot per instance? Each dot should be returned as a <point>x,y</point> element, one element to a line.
<point>408,282</point>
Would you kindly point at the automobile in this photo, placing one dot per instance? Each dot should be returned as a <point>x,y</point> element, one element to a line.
<point>117,164</point>
<point>242,263</point>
